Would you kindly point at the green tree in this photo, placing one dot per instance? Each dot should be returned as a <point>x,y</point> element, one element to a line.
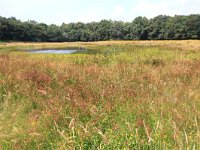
<point>157,27</point>
<point>138,30</point>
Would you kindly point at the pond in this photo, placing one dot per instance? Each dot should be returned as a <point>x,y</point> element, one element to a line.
<point>56,51</point>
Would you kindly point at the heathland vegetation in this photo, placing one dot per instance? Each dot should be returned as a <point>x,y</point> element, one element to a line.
<point>126,95</point>
<point>158,28</point>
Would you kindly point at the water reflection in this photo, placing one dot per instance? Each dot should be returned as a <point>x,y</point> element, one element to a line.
<point>51,51</point>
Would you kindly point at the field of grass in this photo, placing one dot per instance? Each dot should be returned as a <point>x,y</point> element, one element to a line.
<point>126,95</point>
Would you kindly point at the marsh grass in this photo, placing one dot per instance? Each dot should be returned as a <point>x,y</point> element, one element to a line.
<point>127,95</point>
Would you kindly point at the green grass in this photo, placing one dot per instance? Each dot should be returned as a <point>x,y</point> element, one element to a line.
<point>118,96</point>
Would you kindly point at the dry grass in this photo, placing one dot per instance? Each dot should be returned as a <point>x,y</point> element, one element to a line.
<point>183,45</point>
<point>140,95</point>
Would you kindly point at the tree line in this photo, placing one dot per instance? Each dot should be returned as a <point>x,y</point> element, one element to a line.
<point>161,27</point>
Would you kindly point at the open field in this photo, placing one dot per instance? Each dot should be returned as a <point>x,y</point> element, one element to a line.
<point>126,95</point>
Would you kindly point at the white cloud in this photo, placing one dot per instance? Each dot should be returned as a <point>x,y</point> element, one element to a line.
<point>58,11</point>
<point>149,9</point>
<point>166,7</point>
<point>90,15</point>
<point>118,12</point>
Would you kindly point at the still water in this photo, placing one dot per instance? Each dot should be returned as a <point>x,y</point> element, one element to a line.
<point>54,51</point>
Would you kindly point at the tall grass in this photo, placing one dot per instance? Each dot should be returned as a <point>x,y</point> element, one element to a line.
<point>128,95</point>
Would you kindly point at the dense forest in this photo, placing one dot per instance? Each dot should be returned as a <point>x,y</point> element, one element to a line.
<point>158,28</point>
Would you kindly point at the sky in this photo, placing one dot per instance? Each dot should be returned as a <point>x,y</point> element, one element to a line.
<point>59,11</point>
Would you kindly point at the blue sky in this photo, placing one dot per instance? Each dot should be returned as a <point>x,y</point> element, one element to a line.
<point>59,11</point>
